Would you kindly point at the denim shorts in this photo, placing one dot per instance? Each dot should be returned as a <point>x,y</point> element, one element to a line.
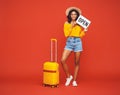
<point>74,44</point>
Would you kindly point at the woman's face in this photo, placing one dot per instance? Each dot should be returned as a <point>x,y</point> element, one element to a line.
<point>73,15</point>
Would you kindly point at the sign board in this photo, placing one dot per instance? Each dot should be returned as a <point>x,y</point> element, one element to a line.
<point>82,21</point>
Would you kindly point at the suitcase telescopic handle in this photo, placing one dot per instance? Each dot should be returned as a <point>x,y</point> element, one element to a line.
<point>55,40</point>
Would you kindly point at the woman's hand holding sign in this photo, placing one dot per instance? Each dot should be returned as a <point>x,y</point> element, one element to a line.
<point>85,29</point>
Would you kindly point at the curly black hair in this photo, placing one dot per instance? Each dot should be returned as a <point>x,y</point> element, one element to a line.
<point>69,15</point>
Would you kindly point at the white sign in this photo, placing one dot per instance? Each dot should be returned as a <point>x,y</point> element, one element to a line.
<point>82,21</point>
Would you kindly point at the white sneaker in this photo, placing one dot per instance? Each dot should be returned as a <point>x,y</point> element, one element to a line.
<point>68,80</point>
<point>74,83</point>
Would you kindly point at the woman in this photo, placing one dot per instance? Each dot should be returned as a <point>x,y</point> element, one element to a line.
<point>74,33</point>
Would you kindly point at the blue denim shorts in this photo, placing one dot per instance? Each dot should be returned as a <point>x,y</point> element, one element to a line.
<point>74,44</point>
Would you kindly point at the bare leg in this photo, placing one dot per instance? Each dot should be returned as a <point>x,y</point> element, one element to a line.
<point>77,60</point>
<point>65,55</point>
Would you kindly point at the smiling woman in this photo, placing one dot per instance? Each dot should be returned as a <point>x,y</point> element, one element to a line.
<point>72,15</point>
<point>74,33</point>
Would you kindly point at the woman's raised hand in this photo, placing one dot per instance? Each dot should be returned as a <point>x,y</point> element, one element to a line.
<point>85,29</point>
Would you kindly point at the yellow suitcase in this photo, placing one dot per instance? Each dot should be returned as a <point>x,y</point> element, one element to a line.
<point>51,69</point>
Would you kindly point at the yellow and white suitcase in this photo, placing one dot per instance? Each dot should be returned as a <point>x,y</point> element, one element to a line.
<point>51,69</point>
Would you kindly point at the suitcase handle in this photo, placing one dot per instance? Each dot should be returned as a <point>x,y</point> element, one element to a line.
<point>55,40</point>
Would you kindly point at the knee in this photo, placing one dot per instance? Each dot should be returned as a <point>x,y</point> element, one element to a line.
<point>77,63</point>
<point>63,61</point>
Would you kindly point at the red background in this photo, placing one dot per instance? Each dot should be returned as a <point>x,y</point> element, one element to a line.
<point>26,27</point>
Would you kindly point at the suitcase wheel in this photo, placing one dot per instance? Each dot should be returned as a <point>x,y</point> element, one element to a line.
<point>53,86</point>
